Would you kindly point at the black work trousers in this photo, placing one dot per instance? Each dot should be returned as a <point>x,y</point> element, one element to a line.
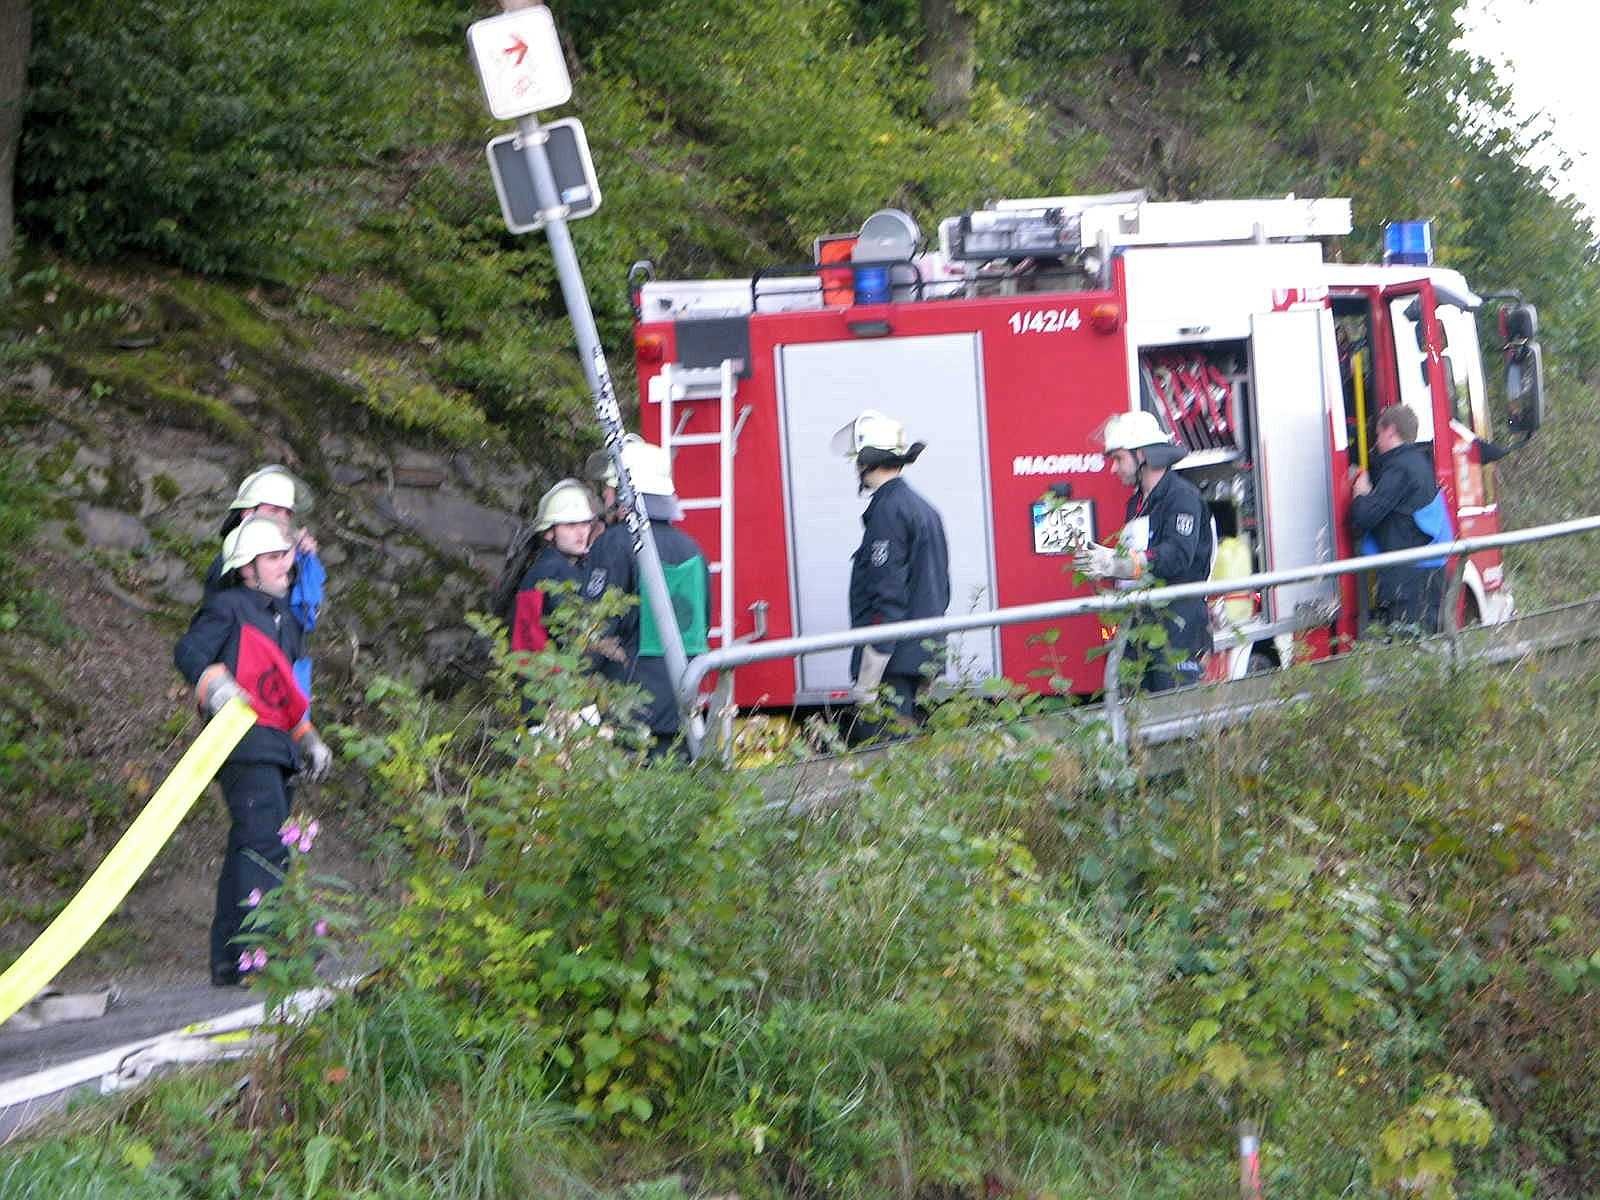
<point>1410,597</point>
<point>259,798</point>
<point>899,700</point>
<point>1175,663</point>
<point>1163,676</point>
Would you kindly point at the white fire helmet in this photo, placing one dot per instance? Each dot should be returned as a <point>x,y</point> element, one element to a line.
<point>598,467</point>
<point>649,466</point>
<point>270,485</point>
<point>251,539</point>
<point>569,502</point>
<point>1134,431</point>
<point>872,430</point>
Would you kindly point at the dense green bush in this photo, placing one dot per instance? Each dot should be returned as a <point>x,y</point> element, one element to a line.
<point>995,960</point>
<point>995,933</point>
<point>179,130</point>
<point>818,128</point>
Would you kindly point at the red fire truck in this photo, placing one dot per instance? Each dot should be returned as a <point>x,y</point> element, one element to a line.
<point>1006,349</point>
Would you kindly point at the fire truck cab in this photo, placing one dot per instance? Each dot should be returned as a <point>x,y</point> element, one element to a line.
<point>1006,350</point>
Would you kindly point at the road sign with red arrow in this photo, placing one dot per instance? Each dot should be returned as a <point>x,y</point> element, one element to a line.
<point>520,63</point>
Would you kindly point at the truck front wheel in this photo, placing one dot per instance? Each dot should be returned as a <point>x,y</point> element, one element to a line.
<point>1263,660</point>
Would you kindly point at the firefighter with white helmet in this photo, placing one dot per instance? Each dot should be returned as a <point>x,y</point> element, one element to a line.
<point>601,473</point>
<point>901,570</point>
<point>242,643</point>
<point>1166,537</point>
<point>640,657</point>
<point>565,522</point>
<point>273,492</point>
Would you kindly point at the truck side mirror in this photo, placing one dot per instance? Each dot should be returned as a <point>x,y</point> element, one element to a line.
<point>1519,323</point>
<point>1413,313</point>
<point>1524,387</point>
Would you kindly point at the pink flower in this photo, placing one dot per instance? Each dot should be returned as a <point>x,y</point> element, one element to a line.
<point>313,828</point>
<point>258,958</point>
<point>305,844</point>
<point>289,834</point>
<point>320,929</point>
<point>246,962</point>
<point>253,899</point>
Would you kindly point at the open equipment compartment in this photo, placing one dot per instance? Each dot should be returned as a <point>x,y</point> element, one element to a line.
<point>1247,410</point>
<point>1201,393</point>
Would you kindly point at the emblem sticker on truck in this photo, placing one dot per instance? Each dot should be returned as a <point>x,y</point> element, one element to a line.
<point>1044,320</point>
<point>1062,526</point>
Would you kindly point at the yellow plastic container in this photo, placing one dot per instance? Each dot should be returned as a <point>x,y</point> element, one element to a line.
<point>1234,561</point>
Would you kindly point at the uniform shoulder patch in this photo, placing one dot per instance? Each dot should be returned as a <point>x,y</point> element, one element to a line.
<point>880,552</point>
<point>1184,523</point>
<point>597,583</point>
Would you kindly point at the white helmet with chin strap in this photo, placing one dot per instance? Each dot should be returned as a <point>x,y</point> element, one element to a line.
<point>874,439</point>
<point>569,502</point>
<point>1134,431</point>
<point>251,539</point>
<point>649,467</point>
<point>871,430</point>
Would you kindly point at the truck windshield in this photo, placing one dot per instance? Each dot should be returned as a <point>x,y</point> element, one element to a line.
<point>1412,362</point>
<point>1463,369</point>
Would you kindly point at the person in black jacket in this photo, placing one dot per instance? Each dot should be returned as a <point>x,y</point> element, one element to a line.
<point>1166,538</point>
<point>901,570</point>
<point>242,643</point>
<point>1384,505</point>
<point>638,655</point>
<point>566,521</point>
<point>274,492</point>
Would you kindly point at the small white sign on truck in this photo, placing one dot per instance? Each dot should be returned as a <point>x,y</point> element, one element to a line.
<point>519,62</point>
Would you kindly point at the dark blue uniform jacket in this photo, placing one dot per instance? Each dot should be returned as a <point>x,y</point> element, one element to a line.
<point>213,637</point>
<point>901,572</point>
<point>1180,552</point>
<point>530,624</point>
<point>1402,482</point>
<point>611,564</point>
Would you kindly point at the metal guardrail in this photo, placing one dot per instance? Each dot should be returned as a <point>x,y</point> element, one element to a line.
<point>1565,640</point>
<point>751,652</point>
<point>1564,637</point>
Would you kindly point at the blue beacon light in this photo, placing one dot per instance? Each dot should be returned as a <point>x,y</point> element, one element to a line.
<point>1408,244</point>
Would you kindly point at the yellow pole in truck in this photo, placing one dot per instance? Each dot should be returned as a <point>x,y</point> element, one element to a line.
<point>1358,377</point>
<point>120,869</point>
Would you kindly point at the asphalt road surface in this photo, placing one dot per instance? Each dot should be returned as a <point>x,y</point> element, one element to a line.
<point>136,1017</point>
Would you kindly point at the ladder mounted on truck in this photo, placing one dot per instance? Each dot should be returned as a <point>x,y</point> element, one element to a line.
<point>678,385</point>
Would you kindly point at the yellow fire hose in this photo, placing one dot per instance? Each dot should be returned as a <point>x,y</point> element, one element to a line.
<point>120,870</point>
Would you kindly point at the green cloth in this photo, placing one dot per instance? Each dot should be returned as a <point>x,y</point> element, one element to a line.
<point>687,585</point>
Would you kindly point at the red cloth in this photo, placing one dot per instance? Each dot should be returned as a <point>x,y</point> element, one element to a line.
<point>264,672</point>
<point>527,625</point>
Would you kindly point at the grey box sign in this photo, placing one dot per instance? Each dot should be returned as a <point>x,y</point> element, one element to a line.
<point>568,150</point>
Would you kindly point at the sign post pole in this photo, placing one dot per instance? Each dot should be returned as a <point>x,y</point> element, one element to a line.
<point>606,410</point>
<point>520,62</point>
